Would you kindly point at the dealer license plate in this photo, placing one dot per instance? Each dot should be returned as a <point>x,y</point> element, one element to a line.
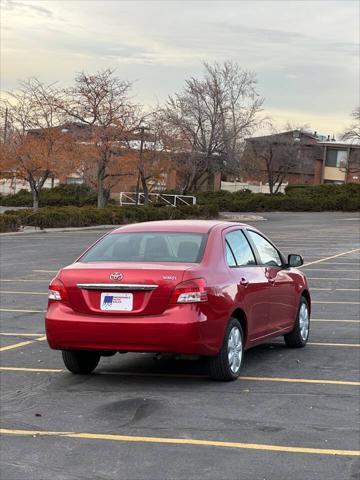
<point>118,302</point>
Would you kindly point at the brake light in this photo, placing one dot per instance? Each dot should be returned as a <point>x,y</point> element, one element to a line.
<point>57,290</point>
<point>191,291</point>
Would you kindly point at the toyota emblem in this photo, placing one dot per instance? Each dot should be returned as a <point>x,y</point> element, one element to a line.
<point>116,276</point>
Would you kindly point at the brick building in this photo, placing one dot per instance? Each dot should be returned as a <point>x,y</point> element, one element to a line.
<point>310,158</point>
<point>126,149</point>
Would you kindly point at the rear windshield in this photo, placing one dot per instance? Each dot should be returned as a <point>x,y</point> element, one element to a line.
<point>148,247</point>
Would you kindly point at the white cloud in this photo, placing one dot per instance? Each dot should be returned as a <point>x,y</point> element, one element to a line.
<point>304,52</point>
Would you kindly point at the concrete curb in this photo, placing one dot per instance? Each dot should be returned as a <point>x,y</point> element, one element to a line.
<point>240,217</point>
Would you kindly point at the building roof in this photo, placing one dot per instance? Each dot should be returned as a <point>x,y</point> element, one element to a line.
<point>342,143</point>
<point>319,138</point>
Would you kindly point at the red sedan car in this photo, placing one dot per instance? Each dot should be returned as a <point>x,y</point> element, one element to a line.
<point>205,288</point>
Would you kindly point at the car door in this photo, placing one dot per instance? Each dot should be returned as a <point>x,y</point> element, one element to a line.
<point>252,286</point>
<point>282,288</point>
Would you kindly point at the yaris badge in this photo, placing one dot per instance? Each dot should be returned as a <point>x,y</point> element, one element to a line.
<point>116,276</point>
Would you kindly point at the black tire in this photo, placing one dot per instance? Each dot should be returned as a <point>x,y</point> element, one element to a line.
<point>109,353</point>
<point>80,361</point>
<point>220,367</point>
<point>297,338</point>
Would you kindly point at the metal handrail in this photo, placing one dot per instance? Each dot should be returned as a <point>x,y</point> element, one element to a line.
<point>172,200</point>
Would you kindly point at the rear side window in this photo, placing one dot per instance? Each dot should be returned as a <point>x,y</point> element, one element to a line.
<point>148,247</point>
<point>238,245</point>
<point>230,259</point>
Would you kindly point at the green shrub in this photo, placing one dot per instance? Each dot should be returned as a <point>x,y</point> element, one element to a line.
<point>9,223</point>
<point>297,198</point>
<point>62,195</point>
<point>22,198</point>
<point>62,217</point>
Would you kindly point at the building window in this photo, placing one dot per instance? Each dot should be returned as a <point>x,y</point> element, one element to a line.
<point>334,182</point>
<point>74,181</point>
<point>336,158</point>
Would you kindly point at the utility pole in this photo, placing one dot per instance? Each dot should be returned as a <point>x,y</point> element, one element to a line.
<point>142,130</point>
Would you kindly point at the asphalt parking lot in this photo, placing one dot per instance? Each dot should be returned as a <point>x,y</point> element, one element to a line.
<point>294,414</point>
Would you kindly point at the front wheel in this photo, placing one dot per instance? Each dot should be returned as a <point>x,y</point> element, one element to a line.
<point>226,365</point>
<point>80,361</point>
<point>298,337</point>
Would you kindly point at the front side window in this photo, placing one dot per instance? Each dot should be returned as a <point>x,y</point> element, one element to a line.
<point>238,245</point>
<point>268,254</point>
<point>148,247</point>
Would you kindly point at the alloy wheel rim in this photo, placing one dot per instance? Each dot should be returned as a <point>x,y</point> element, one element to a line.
<point>304,321</point>
<point>235,350</point>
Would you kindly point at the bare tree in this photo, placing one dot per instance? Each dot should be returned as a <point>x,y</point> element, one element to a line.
<point>352,165</point>
<point>353,132</point>
<point>352,135</point>
<point>276,155</point>
<point>154,153</point>
<point>211,117</point>
<point>33,144</point>
<point>101,102</point>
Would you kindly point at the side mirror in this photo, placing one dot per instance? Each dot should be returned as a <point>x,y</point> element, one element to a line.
<point>295,260</point>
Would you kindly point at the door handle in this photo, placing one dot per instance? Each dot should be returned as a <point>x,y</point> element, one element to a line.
<point>244,282</point>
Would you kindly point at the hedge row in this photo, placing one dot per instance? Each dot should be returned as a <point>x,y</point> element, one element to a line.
<point>62,195</point>
<point>62,217</point>
<point>297,198</point>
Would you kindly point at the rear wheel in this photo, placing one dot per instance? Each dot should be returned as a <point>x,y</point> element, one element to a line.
<point>80,361</point>
<point>108,353</point>
<point>298,337</point>
<point>226,365</point>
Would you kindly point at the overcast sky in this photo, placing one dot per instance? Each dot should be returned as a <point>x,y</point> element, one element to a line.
<point>305,53</point>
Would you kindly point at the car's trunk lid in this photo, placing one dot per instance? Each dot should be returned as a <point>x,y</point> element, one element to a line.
<point>122,288</point>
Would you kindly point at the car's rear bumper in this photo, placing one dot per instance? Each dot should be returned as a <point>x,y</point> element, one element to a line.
<point>177,330</point>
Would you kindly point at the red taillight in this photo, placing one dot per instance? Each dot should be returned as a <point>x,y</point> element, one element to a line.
<point>191,291</point>
<point>57,290</point>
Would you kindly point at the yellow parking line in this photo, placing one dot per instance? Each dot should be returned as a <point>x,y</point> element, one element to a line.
<point>183,441</point>
<point>332,256</point>
<point>24,280</point>
<point>327,289</point>
<point>348,303</point>
<point>332,270</point>
<point>175,375</point>
<point>24,293</point>
<point>21,311</point>
<point>46,271</point>
<point>349,263</point>
<point>334,320</point>
<point>21,344</point>
<point>335,289</point>
<point>325,344</point>
<point>38,370</point>
<point>22,334</point>
<point>16,345</point>
<point>333,278</point>
<point>348,289</point>
<point>301,380</point>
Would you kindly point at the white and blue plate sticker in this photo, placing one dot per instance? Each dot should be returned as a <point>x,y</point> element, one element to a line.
<point>118,302</point>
